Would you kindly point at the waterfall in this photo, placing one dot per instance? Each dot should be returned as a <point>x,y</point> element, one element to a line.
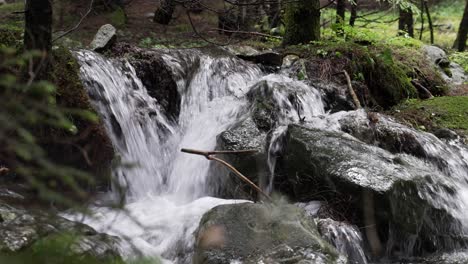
<point>167,191</point>
<point>165,188</point>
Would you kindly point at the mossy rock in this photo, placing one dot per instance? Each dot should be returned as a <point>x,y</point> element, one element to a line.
<point>90,148</point>
<point>439,112</point>
<point>385,69</point>
<point>257,233</point>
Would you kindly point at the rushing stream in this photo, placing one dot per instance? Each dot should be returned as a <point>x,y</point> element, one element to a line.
<point>167,191</point>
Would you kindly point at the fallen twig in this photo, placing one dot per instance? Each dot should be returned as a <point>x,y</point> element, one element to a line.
<point>424,93</point>
<point>253,33</point>
<point>351,90</point>
<point>209,155</point>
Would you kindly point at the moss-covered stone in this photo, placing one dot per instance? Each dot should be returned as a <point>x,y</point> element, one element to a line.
<point>386,70</point>
<point>256,233</point>
<point>90,149</point>
<point>439,112</point>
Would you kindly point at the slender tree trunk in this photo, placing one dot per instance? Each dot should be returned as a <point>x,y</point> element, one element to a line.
<point>274,13</point>
<point>38,25</point>
<point>302,21</point>
<point>163,14</point>
<point>405,22</point>
<point>422,20</point>
<point>429,21</point>
<point>354,8</point>
<point>340,11</point>
<point>460,42</point>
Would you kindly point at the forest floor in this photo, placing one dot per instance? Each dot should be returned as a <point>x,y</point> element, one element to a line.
<point>135,23</point>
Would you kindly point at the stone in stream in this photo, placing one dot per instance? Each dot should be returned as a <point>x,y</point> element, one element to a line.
<point>266,57</point>
<point>104,38</point>
<point>415,202</point>
<point>22,230</point>
<point>244,135</point>
<point>258,233</point>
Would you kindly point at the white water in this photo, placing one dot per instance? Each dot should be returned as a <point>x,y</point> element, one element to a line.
<point>166,189</point>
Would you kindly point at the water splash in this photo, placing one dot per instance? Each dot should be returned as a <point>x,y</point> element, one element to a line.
<point>164,203</point>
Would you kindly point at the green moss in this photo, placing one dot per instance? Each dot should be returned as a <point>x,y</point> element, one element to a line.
<point>460,58</point>
<point>386,67</point>
<point>7,9</point>
<point>11,26</point>
<point>118,17</point>
<point>11,37</point>
<point>440,112</point>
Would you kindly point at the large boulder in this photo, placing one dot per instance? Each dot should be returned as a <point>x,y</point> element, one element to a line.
<point>22,230</point>
<point>158,79</point>
<point>452,73</point>
<point>415,201</point>
<point>259,233</point>
<point>244,135</point>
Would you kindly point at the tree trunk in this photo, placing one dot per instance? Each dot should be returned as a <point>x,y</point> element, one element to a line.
<point>340,11</point>
<point>274,13</point>
<point>302,21</point>
<point>460,42</point>
<point>429,21</point>
<point>354,8</point>
<point>163,14</point>
<point>248,14</point>
<point>38,25</point>
<point>405,22</point>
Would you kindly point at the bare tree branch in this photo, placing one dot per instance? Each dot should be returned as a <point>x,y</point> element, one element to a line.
<point>79,22</point>
<point>209,155</point>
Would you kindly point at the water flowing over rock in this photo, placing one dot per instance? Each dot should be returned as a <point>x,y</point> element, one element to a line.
<point>255,233</point>
<point>358,165</point>
<point>345,238</point>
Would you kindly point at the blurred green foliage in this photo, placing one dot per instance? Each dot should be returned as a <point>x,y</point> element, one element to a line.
<point>29,108</point>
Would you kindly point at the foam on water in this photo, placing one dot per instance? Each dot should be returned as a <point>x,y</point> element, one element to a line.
<point>166,189</point>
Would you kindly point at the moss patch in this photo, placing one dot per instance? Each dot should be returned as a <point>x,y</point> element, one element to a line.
<point>386,69</point>
<point>440,112</point>
<point>90,149</point>
<point>118,17</point>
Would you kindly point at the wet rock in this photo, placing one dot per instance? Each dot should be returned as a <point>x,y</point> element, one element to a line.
<point>444,133</point>
<point>158,79</point>
<point>405,189</point>
<point>256,233</point>
<point>104,38</point>
<point>25,229</point>
<point>244,135</point>
<point>267,57</point>
<point>289,60</point>
<point>336,97</point>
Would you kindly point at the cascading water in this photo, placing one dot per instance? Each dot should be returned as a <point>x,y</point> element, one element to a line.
<point>166,190</point>
<point>165,187</point>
